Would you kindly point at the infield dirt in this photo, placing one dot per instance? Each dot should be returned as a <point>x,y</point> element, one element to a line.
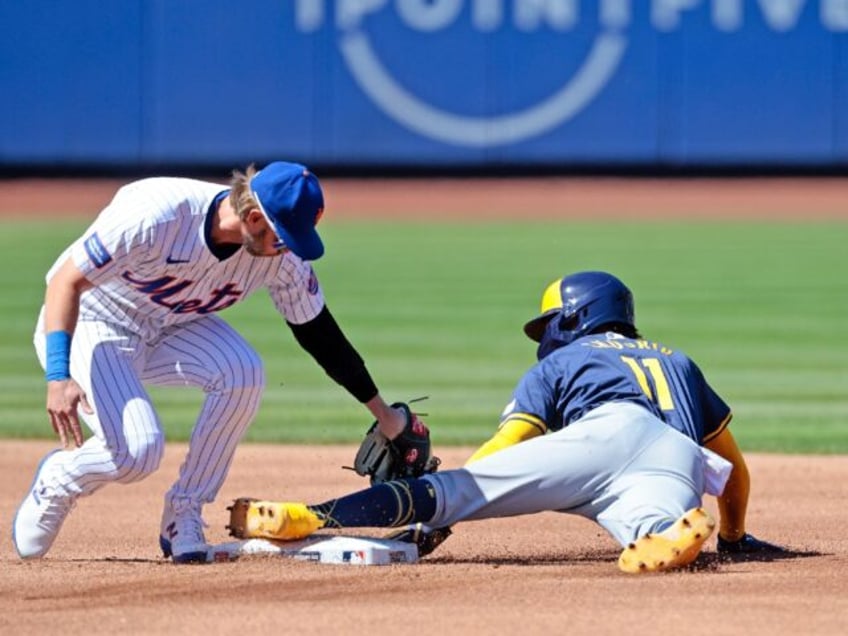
<point>545,574</point>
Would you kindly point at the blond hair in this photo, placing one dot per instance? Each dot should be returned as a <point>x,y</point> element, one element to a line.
<point>241,198</point>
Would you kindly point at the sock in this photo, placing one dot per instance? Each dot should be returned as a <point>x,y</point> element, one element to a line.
<point>386,505</point>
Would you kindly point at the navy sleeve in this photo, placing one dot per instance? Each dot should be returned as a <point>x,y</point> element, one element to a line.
<point>323,339</point>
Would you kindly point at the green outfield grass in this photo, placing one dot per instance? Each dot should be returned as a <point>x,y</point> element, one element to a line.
<point>437,310</point>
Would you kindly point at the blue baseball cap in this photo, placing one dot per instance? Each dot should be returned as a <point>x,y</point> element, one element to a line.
<point>291,199</point>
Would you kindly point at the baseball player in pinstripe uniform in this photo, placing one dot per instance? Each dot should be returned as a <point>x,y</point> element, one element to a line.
<point>135,301</point>
<point>607,425</point>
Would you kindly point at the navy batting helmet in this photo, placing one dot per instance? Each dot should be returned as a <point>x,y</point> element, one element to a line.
<point>577,304</point>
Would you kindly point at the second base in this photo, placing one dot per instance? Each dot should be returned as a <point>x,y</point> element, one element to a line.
<point>338,550</point>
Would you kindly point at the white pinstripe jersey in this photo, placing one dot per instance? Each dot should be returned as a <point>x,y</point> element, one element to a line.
<point>148,257</point>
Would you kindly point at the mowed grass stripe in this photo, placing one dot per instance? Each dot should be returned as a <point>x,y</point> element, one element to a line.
<point>437,309</point>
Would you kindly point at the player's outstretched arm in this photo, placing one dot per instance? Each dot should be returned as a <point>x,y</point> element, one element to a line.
<point>733,502</point>
<point>324,340</point>
<point>517,428</point>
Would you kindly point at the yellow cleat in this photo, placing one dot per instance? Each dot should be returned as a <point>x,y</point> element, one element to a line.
<point>675,547</point>
<point>286,521</point>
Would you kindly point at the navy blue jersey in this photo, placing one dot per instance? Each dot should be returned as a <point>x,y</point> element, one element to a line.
<point>602,368</point>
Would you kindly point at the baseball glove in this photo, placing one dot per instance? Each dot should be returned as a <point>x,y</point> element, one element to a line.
<point>407,455</point>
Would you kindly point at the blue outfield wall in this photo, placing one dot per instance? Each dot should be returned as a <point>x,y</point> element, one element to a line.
<point>429,83</point>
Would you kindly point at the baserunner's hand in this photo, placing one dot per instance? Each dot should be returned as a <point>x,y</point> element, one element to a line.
<point>747,544</point>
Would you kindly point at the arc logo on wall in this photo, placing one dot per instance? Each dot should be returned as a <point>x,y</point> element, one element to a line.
<point>580,46</point>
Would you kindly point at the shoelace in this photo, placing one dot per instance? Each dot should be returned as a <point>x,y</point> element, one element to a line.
<point>190,527</point>
<point>187,521</point>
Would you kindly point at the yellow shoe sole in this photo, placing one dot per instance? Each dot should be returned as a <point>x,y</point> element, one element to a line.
<point>281,520</point>
<point>675,547</point>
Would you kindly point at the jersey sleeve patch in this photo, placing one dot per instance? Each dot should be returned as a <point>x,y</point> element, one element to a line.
<point>97,251</point>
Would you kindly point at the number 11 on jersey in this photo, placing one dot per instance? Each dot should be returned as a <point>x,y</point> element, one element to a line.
<point>654,369</point>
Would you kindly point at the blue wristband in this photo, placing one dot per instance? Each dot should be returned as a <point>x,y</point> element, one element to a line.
<point>58,356</point>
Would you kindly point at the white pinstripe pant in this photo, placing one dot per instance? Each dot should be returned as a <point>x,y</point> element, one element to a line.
<point>112,366</point>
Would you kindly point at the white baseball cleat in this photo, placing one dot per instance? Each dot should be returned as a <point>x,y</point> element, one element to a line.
<point>675,547</point>
<point>40,515</point>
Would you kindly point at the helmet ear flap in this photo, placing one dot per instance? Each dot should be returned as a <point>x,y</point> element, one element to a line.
<point>569,323</point>
<point>557,334</point>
